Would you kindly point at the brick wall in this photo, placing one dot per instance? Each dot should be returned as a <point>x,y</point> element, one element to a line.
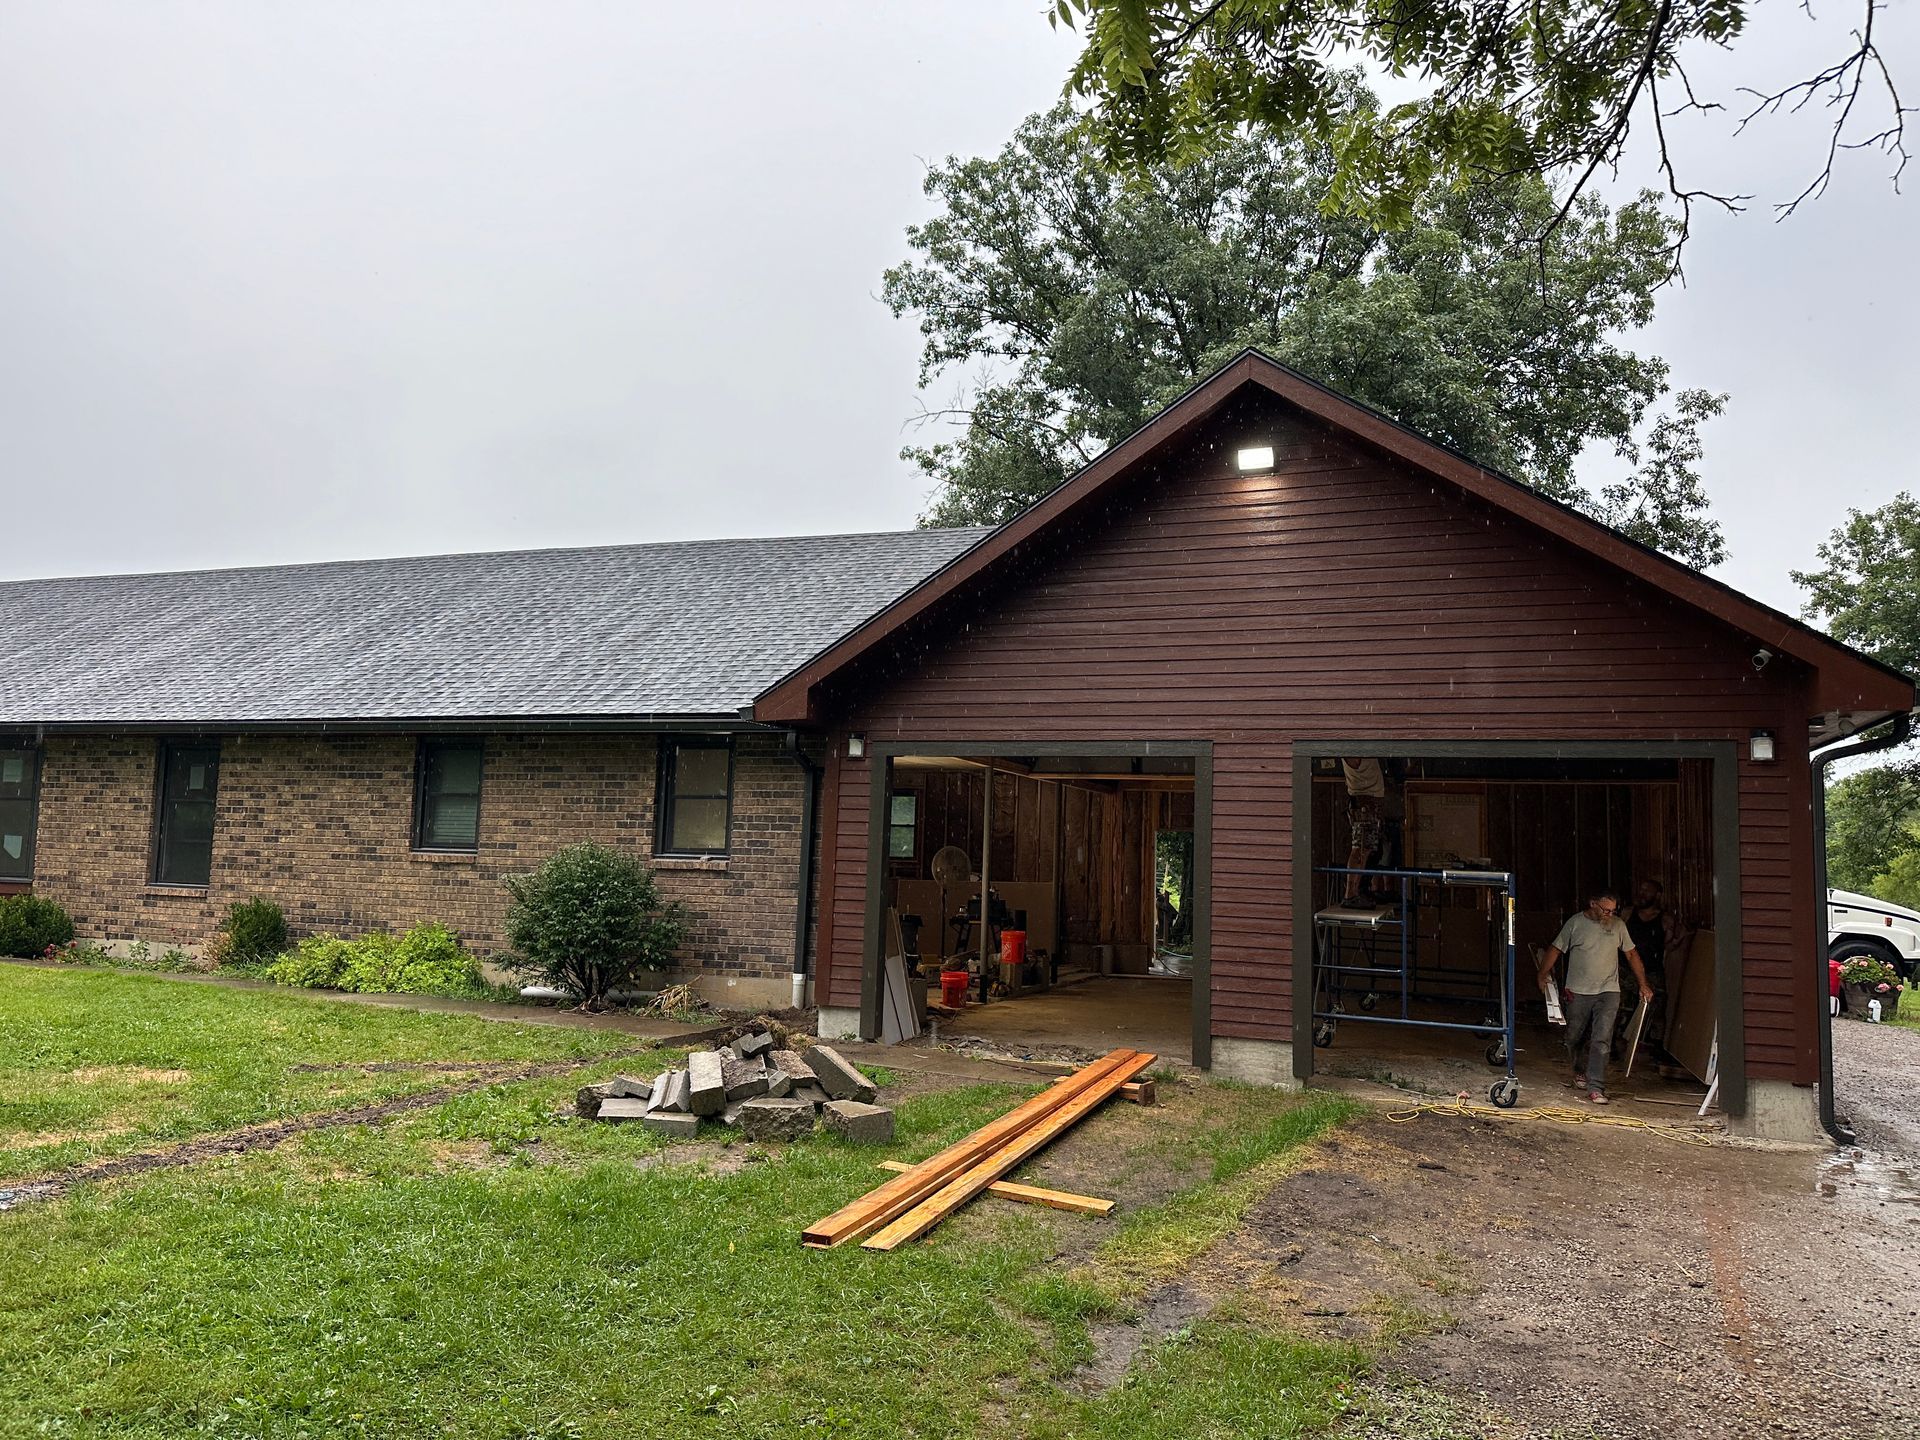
<point>323,825</point>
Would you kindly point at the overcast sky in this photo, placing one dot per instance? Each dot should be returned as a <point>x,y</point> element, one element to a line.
<point>295,282</point>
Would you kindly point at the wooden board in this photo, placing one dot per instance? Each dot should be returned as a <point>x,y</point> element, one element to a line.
<point>898,1018</point>
<point>1692,1013</point>
<point>1033,1194</point>
<point>1008,1156</point>
<point>880,1206</point>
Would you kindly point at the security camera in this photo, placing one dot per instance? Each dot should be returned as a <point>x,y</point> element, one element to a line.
<point>1761,657</point>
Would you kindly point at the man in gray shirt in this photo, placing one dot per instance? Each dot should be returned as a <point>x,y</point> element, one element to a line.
<point>1593,942</point>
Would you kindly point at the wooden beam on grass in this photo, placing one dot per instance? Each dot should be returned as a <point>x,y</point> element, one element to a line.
<point>880,1207</point>
<point>1033,1194</point>
<point>1000,1162</point>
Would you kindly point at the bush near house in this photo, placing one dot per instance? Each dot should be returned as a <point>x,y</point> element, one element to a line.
<point>427,960</point>
<point>589,921</point>
<point>254,932</point>
<point>31,926</point>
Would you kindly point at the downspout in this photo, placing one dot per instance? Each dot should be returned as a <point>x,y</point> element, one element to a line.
<point>1901,732</point>
<point>809,822</point>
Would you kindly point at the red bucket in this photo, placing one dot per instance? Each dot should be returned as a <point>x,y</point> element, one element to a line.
<point>1013,946</point>
<point>953,988</point>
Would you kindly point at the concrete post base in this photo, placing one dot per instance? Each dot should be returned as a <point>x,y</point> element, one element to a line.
<point>1257,1062</point>
<point>1779,1110</point>
<point>839,1022</point>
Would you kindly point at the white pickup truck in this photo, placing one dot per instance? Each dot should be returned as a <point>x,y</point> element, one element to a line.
<point>1862,925</point>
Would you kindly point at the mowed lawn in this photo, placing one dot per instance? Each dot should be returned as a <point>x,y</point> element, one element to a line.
<point>494,1267</point>
<point>97,1063</point>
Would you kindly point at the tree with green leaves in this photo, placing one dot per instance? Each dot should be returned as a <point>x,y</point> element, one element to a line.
<point>1552,87</point>
<point>1872,816</point>
<point>1070,304</point>
<point>1868,594</point>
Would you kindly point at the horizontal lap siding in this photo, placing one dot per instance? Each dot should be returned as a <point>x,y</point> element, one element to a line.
<point>1339,597</point>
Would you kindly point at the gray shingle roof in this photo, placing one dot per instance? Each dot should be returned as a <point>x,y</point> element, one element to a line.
<point>683,629</point>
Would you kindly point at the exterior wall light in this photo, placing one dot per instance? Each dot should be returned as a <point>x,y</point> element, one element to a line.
<point>1258,457</point>
<point>1760,747</point>
<point>857,747</point>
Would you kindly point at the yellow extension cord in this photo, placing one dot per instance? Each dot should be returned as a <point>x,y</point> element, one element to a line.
<point>1559,1115</point>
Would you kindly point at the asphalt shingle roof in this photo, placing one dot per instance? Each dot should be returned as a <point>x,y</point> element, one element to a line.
<point>682,629</point>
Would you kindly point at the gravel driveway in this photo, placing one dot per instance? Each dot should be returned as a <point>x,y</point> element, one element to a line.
<point>1609,1282</point>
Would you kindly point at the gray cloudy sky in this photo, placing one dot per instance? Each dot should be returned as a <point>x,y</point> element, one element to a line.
<point>298,282</point>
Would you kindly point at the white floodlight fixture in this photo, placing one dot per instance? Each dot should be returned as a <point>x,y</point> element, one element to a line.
<point>1760,747</point>
<point>1257,457</point>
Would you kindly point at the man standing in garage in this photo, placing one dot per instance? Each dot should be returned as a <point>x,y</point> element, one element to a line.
<point>1593,942</point>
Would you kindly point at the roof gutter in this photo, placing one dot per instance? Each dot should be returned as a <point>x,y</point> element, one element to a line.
<point>809,843</point>
<point>1861,745</point>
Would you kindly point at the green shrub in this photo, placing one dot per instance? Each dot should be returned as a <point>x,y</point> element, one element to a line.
<point>255,931</point>
<point>31,926</point>
<point>590,920</point>
<point>318,962</point>
<point>427,960</point>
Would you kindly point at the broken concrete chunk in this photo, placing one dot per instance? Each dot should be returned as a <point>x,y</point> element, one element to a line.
<point>662,1087</point>
<point>731,1115</point>
<point>668,1124</point>
<point>727,1054</point>
<point>622,1107</point>
<point>758,1043</point>
<point>745,1079</point>
<point>792,1063</point>
<point>678,1100</point>
<point>811,1093</point>
<point>706,1083</point>
<point>779,1083</point>
<point>769,1119</point>
<point>837,1075</point>
<point>586,1101</point>
<point>850,1118</point>
<point>629,1087</point>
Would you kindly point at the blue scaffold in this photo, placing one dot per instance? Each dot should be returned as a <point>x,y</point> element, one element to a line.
<point>1368,955</point>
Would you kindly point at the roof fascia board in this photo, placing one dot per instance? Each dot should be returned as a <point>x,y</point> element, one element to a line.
<point>434,725</point>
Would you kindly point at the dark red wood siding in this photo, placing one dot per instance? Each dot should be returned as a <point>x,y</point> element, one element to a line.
<point>1344,596</point>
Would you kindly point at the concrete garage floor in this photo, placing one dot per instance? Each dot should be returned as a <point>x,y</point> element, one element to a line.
<point>1449,1063</point>
<point>1095,1016</point>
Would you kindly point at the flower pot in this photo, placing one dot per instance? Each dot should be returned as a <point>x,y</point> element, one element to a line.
<point>1855,998</point>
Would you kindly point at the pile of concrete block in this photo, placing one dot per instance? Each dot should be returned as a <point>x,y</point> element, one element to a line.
<point>768,1094</point>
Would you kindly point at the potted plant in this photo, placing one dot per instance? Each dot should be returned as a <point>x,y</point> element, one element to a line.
<point>1868,977</point>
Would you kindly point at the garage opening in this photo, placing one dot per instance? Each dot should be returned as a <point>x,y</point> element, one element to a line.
<point>1047,902</point>
<point>1417,863</point>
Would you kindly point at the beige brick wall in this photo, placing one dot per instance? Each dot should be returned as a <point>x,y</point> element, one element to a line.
<point>323,826</point>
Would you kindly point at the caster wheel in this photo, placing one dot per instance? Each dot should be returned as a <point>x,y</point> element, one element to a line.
<point>1369,1000</point>
<point>1497,1053</point>
<point>1323,1035</point>
<point>1504,1093</point>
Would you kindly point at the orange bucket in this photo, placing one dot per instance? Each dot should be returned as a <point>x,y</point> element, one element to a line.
<point>953,988</point>
<point>1013,947</point>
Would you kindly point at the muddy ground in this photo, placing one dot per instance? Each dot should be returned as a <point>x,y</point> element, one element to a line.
<point>1576,1280</point>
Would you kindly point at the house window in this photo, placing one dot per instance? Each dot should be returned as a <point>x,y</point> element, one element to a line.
<point>696,796</point>
<point>903,823</point>
<point>446,795</point>
<point>183,831</point>
<point>19,789</point>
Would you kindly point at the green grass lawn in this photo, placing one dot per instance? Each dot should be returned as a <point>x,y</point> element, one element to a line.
<point>97,1063</point>
<point>492,1267</point>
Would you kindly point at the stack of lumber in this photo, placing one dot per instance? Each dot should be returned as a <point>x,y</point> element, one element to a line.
<point>912,1203</point>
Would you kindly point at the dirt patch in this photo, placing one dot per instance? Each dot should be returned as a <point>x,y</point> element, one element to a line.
<point>278,1132</point>
<point>404,1067</point>
<point>130,1075</point>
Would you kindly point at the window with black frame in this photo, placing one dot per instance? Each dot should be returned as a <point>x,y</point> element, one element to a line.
<point>446,797</point>
<point>695,796</point>
<point>19,791</point>
<point>183,829</point>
